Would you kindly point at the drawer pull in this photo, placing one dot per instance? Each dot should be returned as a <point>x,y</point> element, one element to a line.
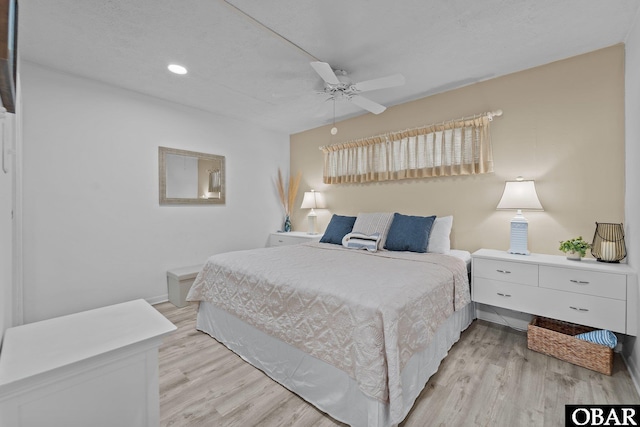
<point>504,271</point>
<point>504,295</point>
<point>579,308</point>
<point>579,282</point>
<point>280,241</point>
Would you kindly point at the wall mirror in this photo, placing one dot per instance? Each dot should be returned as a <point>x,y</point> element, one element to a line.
<point>188,177</point>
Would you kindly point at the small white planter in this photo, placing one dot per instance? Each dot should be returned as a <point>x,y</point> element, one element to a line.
<point>574,256</point>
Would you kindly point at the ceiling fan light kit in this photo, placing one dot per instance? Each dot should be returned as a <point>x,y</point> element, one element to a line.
<point>338,86</point>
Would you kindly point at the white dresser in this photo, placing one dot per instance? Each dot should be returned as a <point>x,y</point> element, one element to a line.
<point>292,238</point>
<point>96,368</point>
<point>586,292</point>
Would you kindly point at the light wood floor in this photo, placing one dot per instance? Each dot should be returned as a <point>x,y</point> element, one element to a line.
<point>489,378</point>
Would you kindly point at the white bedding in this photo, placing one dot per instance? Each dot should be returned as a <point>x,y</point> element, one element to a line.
<point>463,255</point>
<point>365,314</point>
<point>324,386</point>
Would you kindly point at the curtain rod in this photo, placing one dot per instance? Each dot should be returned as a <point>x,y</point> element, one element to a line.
<point>490,115</point>
<point>496,113</point>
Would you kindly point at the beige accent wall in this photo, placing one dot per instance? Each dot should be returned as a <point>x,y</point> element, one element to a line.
<point>563,126</point>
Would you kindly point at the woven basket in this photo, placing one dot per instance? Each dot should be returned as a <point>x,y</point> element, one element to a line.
<point>555,338</point>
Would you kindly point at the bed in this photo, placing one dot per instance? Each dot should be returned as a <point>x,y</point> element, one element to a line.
<point>355,333</point>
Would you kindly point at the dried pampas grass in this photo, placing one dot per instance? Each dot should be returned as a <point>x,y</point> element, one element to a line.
<point>288,197</point>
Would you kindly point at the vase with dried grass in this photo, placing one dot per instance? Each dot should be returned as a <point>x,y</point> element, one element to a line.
<point>288,197</point>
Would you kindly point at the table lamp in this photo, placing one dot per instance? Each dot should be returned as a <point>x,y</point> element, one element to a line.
<point>312,200</point>
<point>520,195</point>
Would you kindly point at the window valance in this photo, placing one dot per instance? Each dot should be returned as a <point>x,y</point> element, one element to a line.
<point>458,147</point>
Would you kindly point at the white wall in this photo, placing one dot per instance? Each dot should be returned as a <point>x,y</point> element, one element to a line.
<point>94,232</point>
<point>632,178</point>
<point>561,120</point>
<point>7,169</point>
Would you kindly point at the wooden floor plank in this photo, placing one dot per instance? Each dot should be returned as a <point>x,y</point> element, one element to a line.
<point>489,378</point>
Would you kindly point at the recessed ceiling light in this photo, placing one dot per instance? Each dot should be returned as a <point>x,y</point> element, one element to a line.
<point>177,69</point>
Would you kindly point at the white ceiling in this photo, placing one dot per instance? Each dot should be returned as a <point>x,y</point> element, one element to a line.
<point>239,69</point>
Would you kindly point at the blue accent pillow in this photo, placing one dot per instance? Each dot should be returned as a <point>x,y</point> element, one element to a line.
<point>409,233</point>
<point>338,227</point>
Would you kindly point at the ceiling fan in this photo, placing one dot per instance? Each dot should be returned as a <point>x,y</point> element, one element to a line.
<point>338,86</point>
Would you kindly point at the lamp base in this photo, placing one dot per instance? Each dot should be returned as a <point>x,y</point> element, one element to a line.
<point>519,235</point>
<point>312,222</point>
<point>518,252</point>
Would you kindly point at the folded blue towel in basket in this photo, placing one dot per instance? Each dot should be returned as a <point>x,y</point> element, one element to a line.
<point>602,337</point>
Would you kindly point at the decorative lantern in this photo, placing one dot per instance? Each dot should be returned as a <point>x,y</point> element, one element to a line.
<point>608,242</point>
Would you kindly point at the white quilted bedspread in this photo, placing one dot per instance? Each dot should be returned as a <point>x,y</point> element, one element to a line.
<point>364,313</point>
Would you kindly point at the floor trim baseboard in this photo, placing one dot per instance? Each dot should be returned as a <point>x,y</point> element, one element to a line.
<point>502,316</point>
<point>634,372</point>
<point>158,299</point>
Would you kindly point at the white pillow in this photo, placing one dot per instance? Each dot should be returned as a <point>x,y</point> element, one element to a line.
<point>369,223</point>
<point>439,240</point>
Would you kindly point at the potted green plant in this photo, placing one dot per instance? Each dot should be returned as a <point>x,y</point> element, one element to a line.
<point>575,248</point>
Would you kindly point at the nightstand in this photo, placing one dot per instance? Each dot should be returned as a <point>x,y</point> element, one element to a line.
<point>292,238</point>
<point>586,292</point>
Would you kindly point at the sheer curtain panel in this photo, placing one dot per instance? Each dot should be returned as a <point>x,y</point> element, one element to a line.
<point>461,147</point>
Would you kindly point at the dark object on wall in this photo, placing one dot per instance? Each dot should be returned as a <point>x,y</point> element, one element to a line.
<point>8,51</point>
<point>608,242</point>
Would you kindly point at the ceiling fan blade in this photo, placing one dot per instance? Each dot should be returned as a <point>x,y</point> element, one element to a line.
<point>367,104</point>
<point>381,83</point>
<point>325,71</point>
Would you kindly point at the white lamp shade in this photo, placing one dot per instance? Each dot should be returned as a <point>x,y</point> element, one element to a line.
<point>520,195</point>
<point>313,200</point>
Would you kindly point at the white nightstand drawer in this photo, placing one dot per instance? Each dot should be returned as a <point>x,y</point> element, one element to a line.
<point>597,312</point>
<point>607,285</point>
<point>594,311</point>
<point>283,240</point>
<point>506,271</point>
<point>292,238</point>
<point>506,295</point>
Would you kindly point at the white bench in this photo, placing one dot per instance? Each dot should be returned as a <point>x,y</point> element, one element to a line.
<point>96,368</point>
<point>179,281</point>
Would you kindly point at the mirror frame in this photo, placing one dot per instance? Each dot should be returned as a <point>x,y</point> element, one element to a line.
<point>162,167</point>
